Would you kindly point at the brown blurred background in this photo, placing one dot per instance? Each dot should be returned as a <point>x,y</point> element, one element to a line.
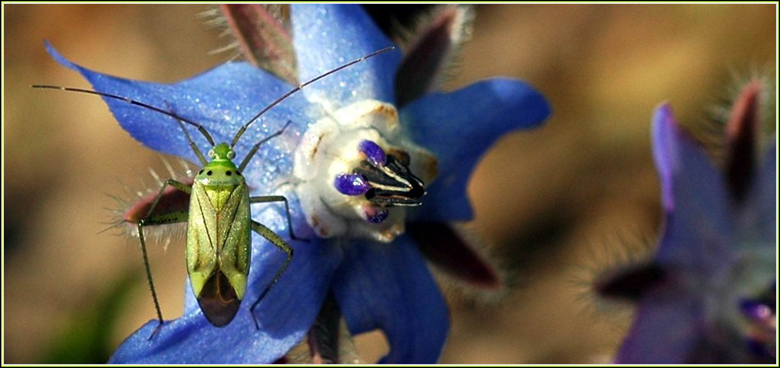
<point>558,204</point>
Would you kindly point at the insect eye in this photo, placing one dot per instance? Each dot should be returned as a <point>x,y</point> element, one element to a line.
<point>211,153</point>
<point>231,155</point>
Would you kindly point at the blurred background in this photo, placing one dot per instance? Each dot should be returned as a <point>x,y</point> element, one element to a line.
<point>560,205</point>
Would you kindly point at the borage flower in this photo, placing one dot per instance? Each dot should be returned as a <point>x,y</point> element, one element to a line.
<point>708,296</point>
<point>355,170</point>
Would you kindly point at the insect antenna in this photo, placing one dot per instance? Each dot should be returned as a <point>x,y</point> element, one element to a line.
<point>258,144</point>
<point>201,129</point>
<point>241,131</point>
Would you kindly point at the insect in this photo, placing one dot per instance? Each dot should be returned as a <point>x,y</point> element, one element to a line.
<point>219,223</point>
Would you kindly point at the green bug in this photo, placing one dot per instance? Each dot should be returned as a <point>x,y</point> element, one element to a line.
<point>219,218</point>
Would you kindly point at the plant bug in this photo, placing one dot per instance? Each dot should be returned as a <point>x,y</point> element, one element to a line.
<point>219,223</point>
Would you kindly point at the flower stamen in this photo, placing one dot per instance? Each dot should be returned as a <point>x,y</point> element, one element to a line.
<point>355,168</point>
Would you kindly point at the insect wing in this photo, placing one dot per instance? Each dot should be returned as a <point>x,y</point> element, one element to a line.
<point>235,235</point>
<point>218,249</point>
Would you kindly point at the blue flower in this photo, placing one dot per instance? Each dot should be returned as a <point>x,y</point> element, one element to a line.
<point>357,251</point>
<point>708,296</point>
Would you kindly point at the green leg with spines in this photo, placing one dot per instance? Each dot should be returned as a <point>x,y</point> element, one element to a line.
<point>278,198</point>
<point>159,219</point>
<point>276,240</point>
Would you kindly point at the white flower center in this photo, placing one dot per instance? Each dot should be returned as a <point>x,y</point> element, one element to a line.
<point>355,172</point>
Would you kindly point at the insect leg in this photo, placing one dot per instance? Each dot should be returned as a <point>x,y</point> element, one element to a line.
<point>276,240</point>
<point>278,198</point>
<point>159,219</point>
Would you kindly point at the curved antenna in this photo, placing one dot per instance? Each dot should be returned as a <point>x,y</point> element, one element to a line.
<point>201,129</point>
<point>241,131</point>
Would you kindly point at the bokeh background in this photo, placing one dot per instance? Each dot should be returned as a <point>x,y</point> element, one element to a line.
<point>559,205</point>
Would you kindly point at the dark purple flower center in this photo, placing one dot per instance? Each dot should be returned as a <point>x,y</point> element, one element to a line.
<point>761,312</point>
<point>384,179</point>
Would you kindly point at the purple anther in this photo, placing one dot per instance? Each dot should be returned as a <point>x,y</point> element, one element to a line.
<point>756,311</point>
<point>372,151</point>
<point>351,184</point>
<point>374,215</point>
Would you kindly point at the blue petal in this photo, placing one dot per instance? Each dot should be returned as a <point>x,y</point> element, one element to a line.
<point>388,287</point>
<point>285,314</point>
<point>673,326</point>
<point>221,99</point>
<point>459,127</point>
<point>667,329</point>
<point>192,340</point>
<point>699,222</point>
<point>762,203</point>
<point>664,152</point>
<point>327,36</point>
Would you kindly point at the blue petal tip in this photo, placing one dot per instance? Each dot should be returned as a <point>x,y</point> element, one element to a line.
<point>58,57</point>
